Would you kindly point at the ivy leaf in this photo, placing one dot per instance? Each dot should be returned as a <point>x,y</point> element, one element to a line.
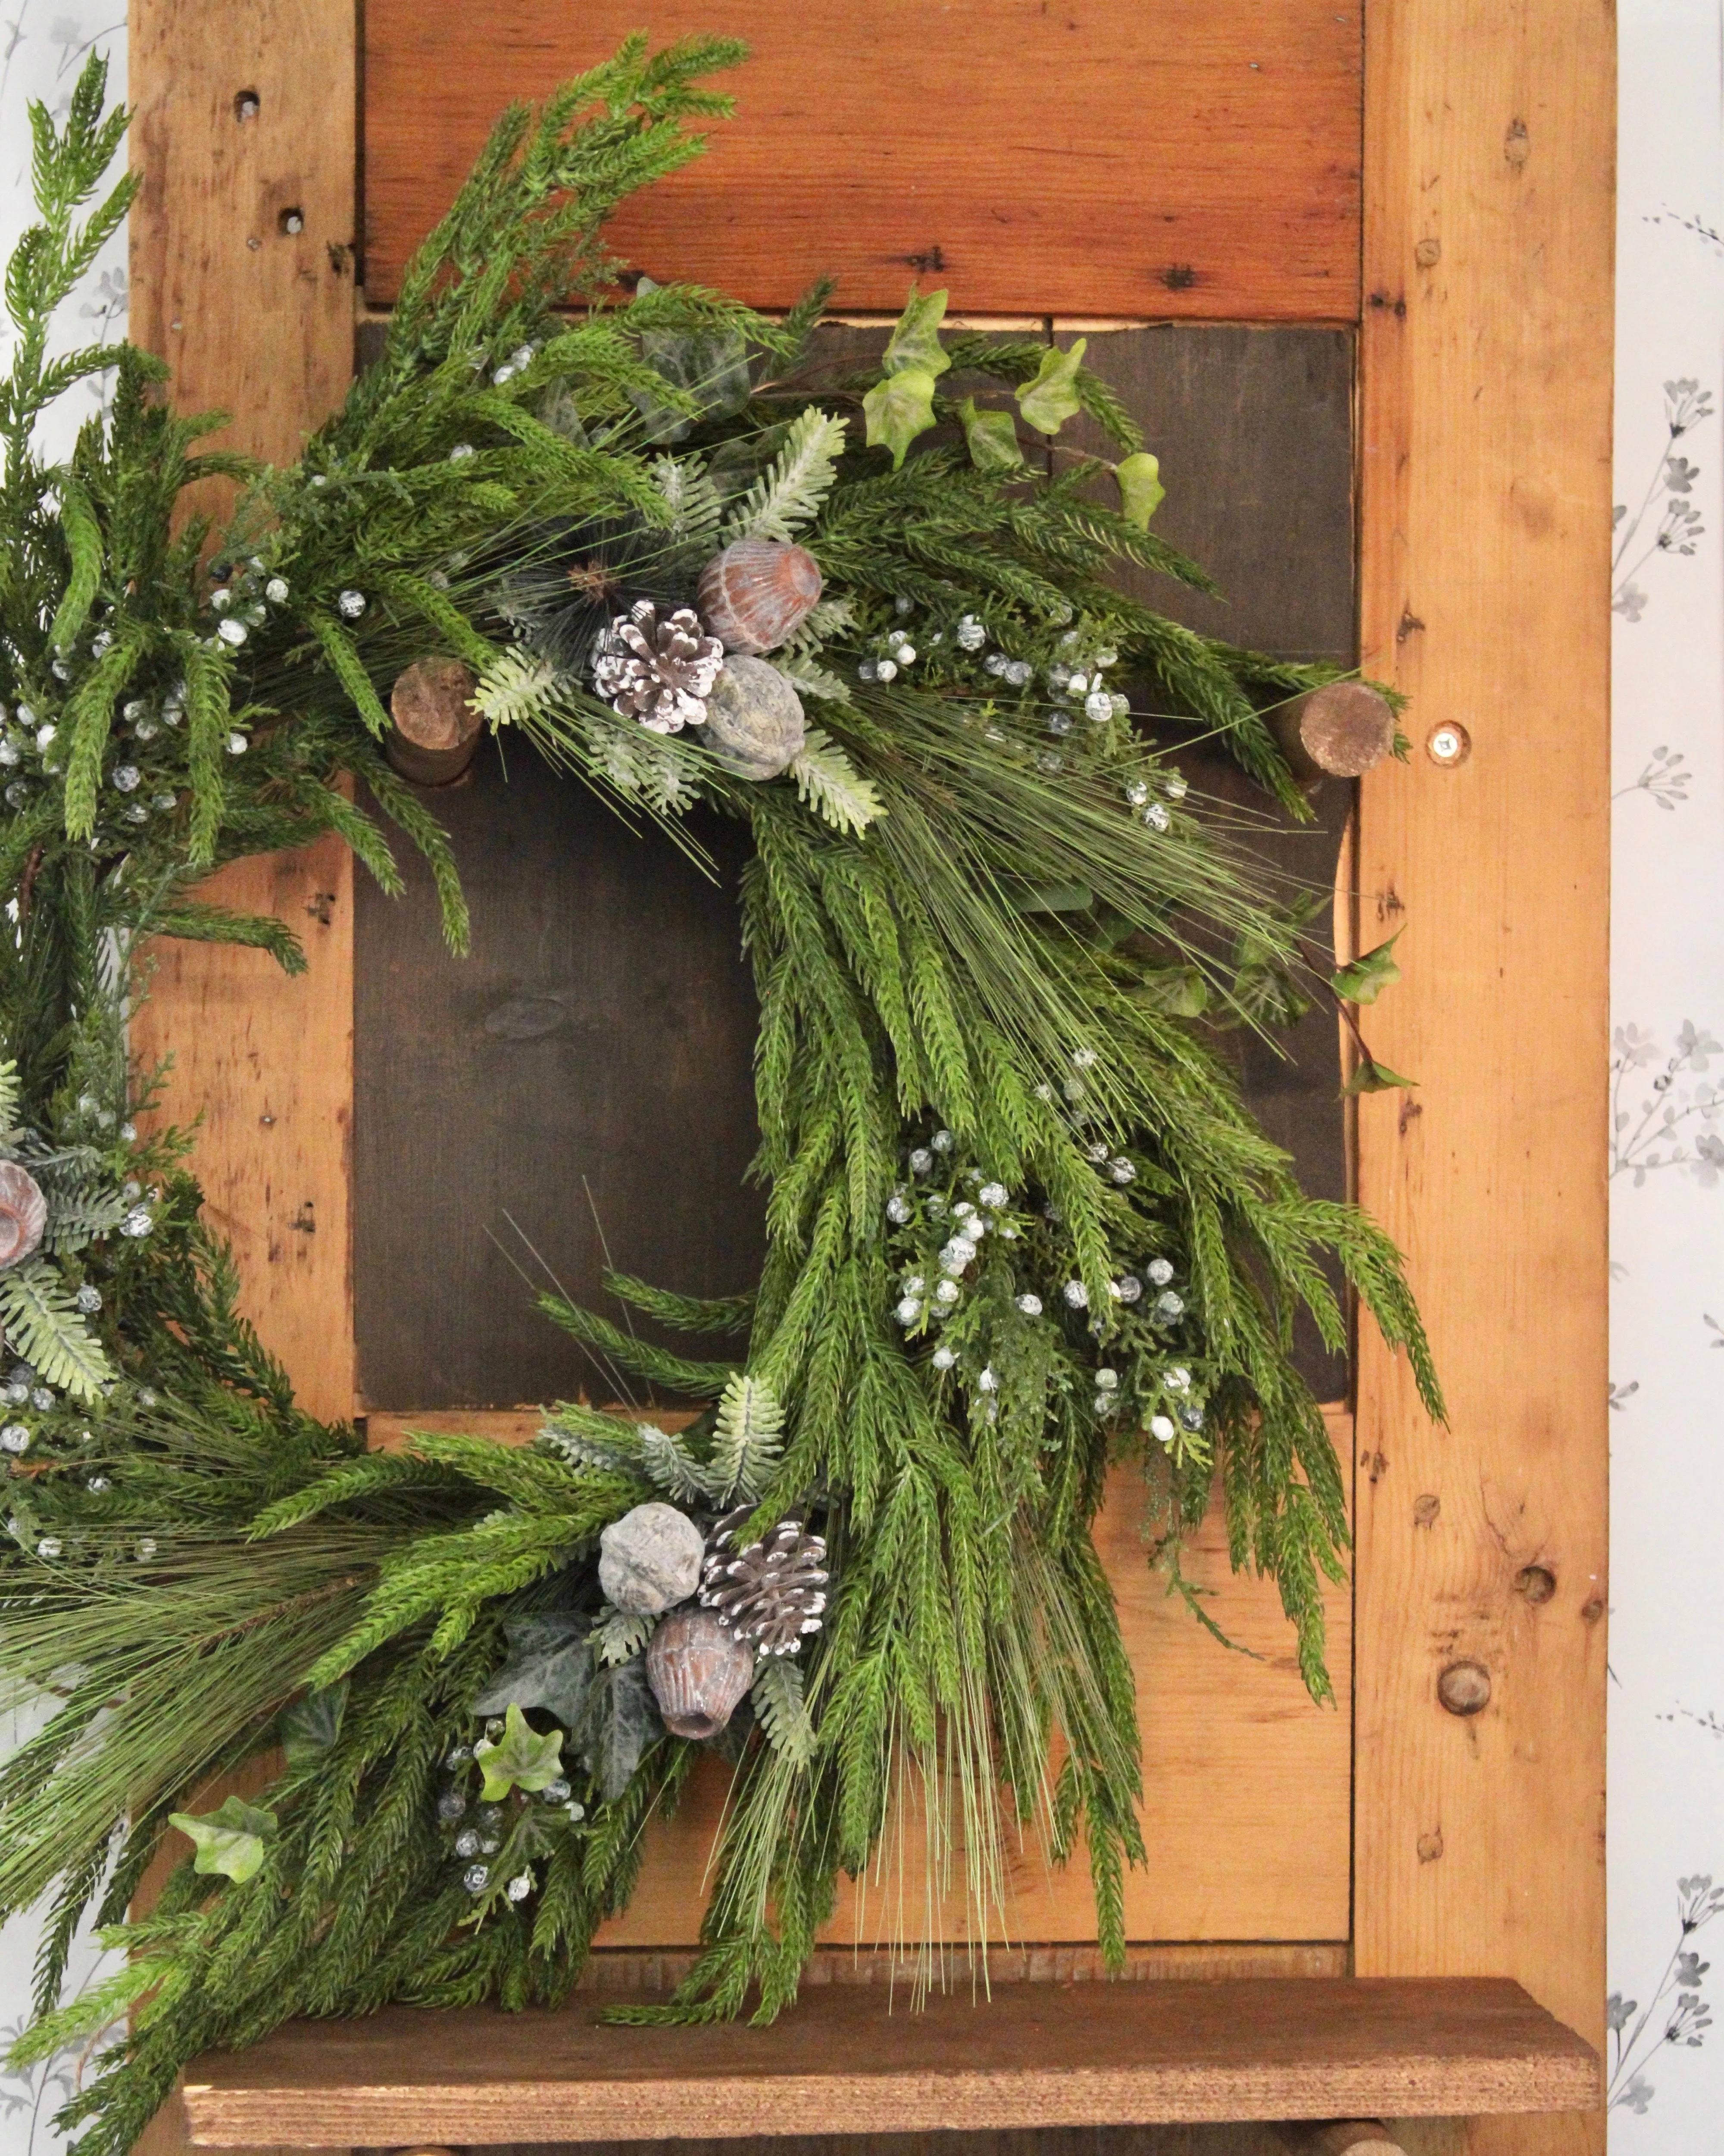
<point>1374,1077</point>
<point>913,346</point>
<point>1362,980</point>
<point>898,409</point>
<point>621,1722</point>
<point>519,1759</point>
<point>992,437</point>
<point>549,1665</point>
<point>230,1842</point>
<point>1141,490</point>
<point>1051,398</point>
<point>1053,898</point>
<point>311,1726</point>
<point>1174,991</point>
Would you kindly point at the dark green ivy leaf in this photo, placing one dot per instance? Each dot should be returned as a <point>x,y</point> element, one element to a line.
<point>311,1726</point>
<point>1363,979</point>
<point>550,1665</point>
<point>622,1721</point>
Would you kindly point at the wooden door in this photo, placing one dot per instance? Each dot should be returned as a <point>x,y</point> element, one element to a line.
<point>1433,182</point>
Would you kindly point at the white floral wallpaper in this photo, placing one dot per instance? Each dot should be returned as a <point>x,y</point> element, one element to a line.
<point>1666,1773</point>
<point>1667,1090</point>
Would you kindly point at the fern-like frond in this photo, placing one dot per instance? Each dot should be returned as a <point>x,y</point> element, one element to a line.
<point>44,1326</point>
<point>789,494</point>
<point>782,1710</point>
<point>619,1637</point>
<point>827,782</point>
<point>749,1438</point>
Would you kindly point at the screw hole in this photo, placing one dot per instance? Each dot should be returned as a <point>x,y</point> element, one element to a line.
<point>292,222</point>
<point>247,106</point>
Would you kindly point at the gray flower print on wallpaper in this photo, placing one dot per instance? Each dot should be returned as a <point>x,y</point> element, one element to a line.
<point>1663,779</point>
<point>1671,1125</point>
<point>1666,521</point>
<point>1675,2016</point>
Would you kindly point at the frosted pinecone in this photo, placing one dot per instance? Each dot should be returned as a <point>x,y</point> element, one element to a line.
<point>660,672</point>
<point>769,1595</point>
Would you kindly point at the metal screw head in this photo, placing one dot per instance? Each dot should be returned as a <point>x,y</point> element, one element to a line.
<point>1449,743</point>
<point>292,221</point>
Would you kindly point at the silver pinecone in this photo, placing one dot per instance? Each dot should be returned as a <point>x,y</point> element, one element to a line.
<point>660,672</point>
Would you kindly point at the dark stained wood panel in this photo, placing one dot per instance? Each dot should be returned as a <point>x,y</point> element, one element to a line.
<point>1031,2055</point>
<point>1145,158</point>
<point>600,1037</point>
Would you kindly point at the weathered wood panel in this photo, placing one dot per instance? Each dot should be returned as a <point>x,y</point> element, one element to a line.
<point>1486,510</point>
<point>578,1092</point>
<point>1032,2054</point>
<point>1146,158</point>
<point>234,130</point>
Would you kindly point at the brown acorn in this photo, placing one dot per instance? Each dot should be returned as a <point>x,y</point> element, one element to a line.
<point>697,1671</point>
<point>754,721</point>
<point>23,1214</point>
<point>758,593</point>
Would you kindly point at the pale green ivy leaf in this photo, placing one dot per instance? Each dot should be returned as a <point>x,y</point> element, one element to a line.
<point>898,409</point>
<point>914,346</point>
<point>1141,490</point>
<point>1051,398</point>
<point>1363,979</point>
<point>993,437</point>
<point>1374,1077</point>
<point>519,1759</point>
<point>1174,991</point>
<point>230,1842</point>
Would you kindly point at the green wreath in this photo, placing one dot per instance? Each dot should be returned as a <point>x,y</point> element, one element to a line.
<point>1019,1222</point>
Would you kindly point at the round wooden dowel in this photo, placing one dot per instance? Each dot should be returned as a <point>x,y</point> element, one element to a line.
<point>436,732</point>
<point>1340,731</point>
<point>1340,2137</point>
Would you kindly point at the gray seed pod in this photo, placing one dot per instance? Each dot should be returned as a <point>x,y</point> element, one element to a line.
<point>650,1559</point>
<point>754,721</point>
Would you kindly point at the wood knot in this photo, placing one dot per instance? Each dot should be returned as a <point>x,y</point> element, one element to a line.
<point>1535,1583</point>
<point>1430,1846</point>
<point>1516,148</point>
<point>1465,1688</point>
<point>1180,276</point>
<point>1427,254</point>
<point>1425,1509</point>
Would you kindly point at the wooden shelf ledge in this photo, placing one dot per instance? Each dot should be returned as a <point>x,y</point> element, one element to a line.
<point>1033,2056</point>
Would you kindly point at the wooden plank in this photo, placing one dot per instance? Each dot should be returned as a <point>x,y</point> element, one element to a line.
<point>1195,158</point>
<point>578,1091</point>
<point>1031,2055</point>
<point>1486,510</point>
<point>257,318</point>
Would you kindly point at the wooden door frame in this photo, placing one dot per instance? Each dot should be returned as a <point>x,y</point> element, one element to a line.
<point>1484,497</point>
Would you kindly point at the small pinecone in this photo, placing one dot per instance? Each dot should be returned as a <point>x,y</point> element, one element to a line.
<point>660,672</point>
<point>770,1593</point>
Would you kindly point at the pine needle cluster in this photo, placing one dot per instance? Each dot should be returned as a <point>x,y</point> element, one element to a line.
<point>1020,1223</point>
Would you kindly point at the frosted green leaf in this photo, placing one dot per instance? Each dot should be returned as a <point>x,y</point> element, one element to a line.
<point>827,781</point>
<point>1051,398</point>
<point>230,1842</point>
<point>1141,490</point>
<point>749,1437</point>
<point>913,346</point>
<point>898,409</point>
<point>777,1692</point>
<point>519,1759</point>
<point>44,1324</point>
<point>311,1726</point>
<point>1364,978</point>
<point>789,493</point>
<point>993,437</point>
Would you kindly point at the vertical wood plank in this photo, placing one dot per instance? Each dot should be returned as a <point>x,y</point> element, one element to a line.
<point>1484,582</point>
<point>242,266</point>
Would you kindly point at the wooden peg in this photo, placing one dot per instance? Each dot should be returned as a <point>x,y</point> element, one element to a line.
<point>436,732</point>
<point>1340,731</point>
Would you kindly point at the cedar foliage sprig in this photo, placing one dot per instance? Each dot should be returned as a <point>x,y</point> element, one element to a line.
<point>961,940</point>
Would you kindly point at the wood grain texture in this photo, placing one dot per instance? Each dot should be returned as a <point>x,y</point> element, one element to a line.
<point>253,319</point>
<point>1192,158</point>
<point>260,321</point>
<point>1031,2055</point>
<point>1486,510</point>
<point>267,1063</point>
